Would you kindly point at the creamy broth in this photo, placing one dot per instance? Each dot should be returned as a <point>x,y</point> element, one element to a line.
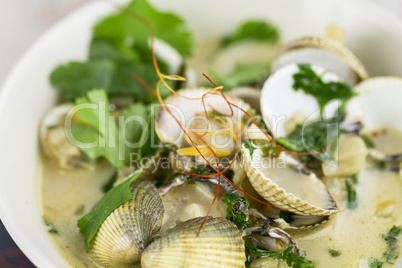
<point>357,233</point>
<point>67,196</point>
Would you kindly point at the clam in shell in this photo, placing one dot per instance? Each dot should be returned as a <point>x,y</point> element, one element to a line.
<point>55,144</point>
<point>189,110</point>
<point>281,103</point>
<point>323,52</point>
<point>279,183</point>
<point>219,244</point>
<point>378,103</point>
<point>124,235</point>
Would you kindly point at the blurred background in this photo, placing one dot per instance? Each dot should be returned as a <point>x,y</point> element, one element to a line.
<point>22,22</point>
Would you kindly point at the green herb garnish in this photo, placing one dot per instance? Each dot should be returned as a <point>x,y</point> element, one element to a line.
<point>291,259</point>
<point>368,141</point>
<point>316,137</point>
<point>334,253</point>
<point>392,252</point>
<point>351,200</point>
<point>376,263</point>
<point>248,144</point>
<point>120,46</point>
<point>287,216</point>
<point>324,92</point>
<point>97,127</point>
<point>167,27</point>
<point>49,226</point>
<point>391,238</point>
<point>114,198</point>
<point>267,148</point>
<point>255,30</point>
<point>237,210</point>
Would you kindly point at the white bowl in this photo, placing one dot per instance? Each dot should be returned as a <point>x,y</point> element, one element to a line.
<point>374,35</point>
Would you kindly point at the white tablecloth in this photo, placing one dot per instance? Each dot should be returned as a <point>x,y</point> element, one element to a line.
<point>23,21</point>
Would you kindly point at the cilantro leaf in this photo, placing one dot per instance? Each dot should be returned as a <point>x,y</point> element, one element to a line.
<point>257,30</point>
<point>98,135</point>
<point>114,198</point>
<point>132,125</point>
<point>237,210</point>
<point>311,83</point>
<point>166,26</point>
<point>74,79</point>
<point>248,144</point>
<point>291,259</point>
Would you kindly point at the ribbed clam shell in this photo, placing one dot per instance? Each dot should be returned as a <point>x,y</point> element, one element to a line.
<point>308,187</point>
<point>323,52</point>
<point>378,103</point>
<point>124,235</point>
<point>219,244</point>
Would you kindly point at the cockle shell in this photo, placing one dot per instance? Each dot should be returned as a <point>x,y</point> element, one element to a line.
<point>378,103</point>
<point>286,188</point>
<point>219,244</point>
<point>323,52</point>
<point>124,235</point>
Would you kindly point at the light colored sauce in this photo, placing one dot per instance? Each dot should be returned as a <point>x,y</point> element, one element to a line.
<point>66,197</point>
<point>357,233</point>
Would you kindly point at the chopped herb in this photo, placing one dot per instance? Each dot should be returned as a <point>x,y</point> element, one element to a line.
<point>375,263</point>
<point>256,30</point>
<point>49,226</point>
<point>114,198</point>
<point>248,144</point>
<point>391,238</point>
<point>287,216</point>
<point>354,178</point>
<point>311,83</point>
<point>392,252</point>
<point>314,137</point>
<point>109,184</point>
<point>334,253</point>
<point>237,210</point>
<point>267,148</point>
<point>292,260</point>
<point>351,199</point>
<point>368,141</point>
